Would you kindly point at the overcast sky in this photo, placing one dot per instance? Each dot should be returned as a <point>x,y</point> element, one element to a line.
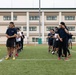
<point>35,3</point>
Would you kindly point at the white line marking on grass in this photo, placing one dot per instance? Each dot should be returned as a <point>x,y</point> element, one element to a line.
<point>1,59</point>
<point>37,59</point>
<point>44,59</point>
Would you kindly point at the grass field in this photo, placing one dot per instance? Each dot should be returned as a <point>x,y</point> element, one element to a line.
<point>35,60</point>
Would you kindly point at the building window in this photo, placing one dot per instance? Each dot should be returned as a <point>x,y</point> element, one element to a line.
<point>69,17</point>
<point>34,17</point>
<point>73,39</point>
<point>48,28</point>
<point>71,28</point>
<point>32,28</point>
<point>14,17</point>
<point>51,17</point>
<point>34,39</point>
<point>6,17</point>
<point>24,28</point>
<point>9,17</point>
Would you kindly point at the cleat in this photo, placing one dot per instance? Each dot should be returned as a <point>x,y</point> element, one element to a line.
<point>59,58</point>
<point>66,59</point>
<point>14,58</point>
<point>17,55</point>
<point>7,58</point>
<point>69,56</point>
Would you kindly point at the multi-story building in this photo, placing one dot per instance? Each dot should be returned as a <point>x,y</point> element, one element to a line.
<point>27,19</point>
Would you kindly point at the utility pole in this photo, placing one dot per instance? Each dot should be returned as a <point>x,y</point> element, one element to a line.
<point>39,18</point>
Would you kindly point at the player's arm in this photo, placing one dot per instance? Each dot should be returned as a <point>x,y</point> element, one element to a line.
<point>20,35</point>
<point>13,36</point>
<point>66,31</point>
<point>59,38</point>
<point>48,36</point>
<point>7,36</point>
<point>72,34</point>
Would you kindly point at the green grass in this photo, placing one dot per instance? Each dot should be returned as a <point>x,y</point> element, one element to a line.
<point>21,66</point>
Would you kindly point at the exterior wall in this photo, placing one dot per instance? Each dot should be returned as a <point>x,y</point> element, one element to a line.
<point>22,22</point>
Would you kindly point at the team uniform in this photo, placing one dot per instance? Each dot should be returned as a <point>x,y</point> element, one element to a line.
<point>70,38</point>
<point>50,40</point>
<point>22,40</point>
<point>11,41</point>
<point>18,42</point>
<point>56,40</point>
<point>62,44</point>
<point>18,39</point>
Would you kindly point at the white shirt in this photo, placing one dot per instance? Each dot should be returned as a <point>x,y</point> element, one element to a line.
<point>56,36</point>
<point>18,38</point>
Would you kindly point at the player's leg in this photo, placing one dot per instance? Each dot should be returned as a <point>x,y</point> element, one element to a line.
<point>71,43</point>
<point>69,54</point>
<point>65,48</point>
<point>53,47</point>
<point>8,49</point>
<point>17,47</point>
<point>13,52</point>
<point>57,47</point>
<point>60,50</point>
<point>13,45</point>
<point>49,46</point>
<point>8,52</point>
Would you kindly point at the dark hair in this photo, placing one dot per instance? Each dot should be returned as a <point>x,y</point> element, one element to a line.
<point>62,23</point>
<point>52,29</point>
<point>56,27</point>
<point>18,28</point>
<point>12,23</point>
<point>21,32</point>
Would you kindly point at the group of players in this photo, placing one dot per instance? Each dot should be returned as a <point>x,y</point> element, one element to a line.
<point>59,40</point>
<point>14,42</point>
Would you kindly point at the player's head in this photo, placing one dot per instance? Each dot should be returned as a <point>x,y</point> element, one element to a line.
<point>21,32</point>
<point>11,25</point>
<point>62,24</point>
<point>51,30</point>
<point>56,29</point>
<point>18,29</point>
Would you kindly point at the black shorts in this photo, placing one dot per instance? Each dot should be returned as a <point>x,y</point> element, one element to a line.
<point>50,43</point>
<point>56,44</point>
<point>18,43</point>
<point>11,43</point>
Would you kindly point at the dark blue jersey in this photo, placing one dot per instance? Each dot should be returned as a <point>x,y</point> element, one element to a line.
<point>62,33</point>
<point>70,36</point>
<point>11,31</point>
<point>51,37</point>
